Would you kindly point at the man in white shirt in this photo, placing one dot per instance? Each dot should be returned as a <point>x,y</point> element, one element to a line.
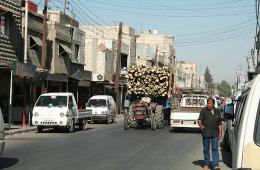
<point>146,99</point>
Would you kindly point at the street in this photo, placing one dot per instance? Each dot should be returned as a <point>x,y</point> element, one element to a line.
<point>105,146</point>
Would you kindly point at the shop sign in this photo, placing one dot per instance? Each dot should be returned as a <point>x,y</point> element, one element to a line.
<point>25,70</point>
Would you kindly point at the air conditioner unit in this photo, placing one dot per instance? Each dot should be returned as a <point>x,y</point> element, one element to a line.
<point>98,77</point>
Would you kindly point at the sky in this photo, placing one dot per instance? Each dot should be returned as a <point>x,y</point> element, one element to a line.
<point>218,34</point>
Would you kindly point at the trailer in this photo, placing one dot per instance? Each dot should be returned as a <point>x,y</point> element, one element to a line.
<point>149,82</point>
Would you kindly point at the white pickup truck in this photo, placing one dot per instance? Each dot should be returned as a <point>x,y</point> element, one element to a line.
<point>187,114</point>
<point>53,110</point>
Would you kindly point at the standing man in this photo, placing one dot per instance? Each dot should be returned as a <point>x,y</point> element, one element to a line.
<point>210,124</point>
<point>167,110</point>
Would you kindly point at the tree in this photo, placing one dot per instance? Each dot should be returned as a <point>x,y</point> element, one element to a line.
<point>208,80</point>
<point>224,89</point>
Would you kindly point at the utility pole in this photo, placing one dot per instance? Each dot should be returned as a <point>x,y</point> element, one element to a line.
<point>156,56</point>
<point>44,37</point>
<point>65,6</point>
<point>258,52</point>
<point>25,30</point>
<point>118,67</point>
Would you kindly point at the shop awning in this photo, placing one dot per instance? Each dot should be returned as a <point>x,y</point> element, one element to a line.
<point>34,58</point>
<point>66,48</point>
<point>37,40</point>
<point>57,77</point>
<point>83,83</point>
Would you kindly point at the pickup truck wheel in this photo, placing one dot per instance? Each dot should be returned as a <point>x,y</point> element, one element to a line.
<point>108,120</point>
<point>39,129</point>
<point>71,127</point>
<point>85,124</point>
<point>81,125</point>
<point>114,120</point>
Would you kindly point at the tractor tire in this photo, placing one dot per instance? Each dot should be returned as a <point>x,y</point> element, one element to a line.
<point>158,116</point>
<point>153,124</point>
<point>126,125</point>
<point>130,118</point>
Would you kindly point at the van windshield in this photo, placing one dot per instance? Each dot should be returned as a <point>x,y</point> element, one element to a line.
<point>97,103</point>
<point>52,101</point>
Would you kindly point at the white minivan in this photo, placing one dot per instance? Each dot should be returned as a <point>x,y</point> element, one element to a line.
<point>103,108</point>
<point>246,132</point>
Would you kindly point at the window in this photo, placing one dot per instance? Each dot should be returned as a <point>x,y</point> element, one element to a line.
<point>257,126</point>
<point>97,103</point>
<point>123,60</point>
<point>70,102</point>
<point>52,101</point>
<point>239,114</point>
<point>77,52</point>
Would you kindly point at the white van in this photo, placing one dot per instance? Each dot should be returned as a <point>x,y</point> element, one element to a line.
<point>246,133</point>
<point>2,134</point>
<point>103,107</point>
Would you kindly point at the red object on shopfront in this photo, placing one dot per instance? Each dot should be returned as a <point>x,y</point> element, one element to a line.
<point>23,119</point>
<point>31,6</point>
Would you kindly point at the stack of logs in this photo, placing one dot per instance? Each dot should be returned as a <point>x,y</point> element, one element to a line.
<point>151,80</point>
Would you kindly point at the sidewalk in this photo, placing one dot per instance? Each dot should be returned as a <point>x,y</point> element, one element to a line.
<point>16,129</point>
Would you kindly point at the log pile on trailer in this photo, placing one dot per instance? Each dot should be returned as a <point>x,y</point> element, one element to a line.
<point>151,80</point>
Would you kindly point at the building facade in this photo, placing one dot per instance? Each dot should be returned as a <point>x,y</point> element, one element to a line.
<point>10,51</point>
<point>187,76</point>
<point>65,59</point>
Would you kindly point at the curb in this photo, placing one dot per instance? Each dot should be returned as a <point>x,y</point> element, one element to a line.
<point>21,130</point>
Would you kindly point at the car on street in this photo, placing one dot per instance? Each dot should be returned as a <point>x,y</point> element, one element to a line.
<point>102,107</point>
<point>53,110</point>
<point>246,133</point>
<point>187,114</point>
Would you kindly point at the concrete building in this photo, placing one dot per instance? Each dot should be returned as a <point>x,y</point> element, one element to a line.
<point>187,76</point>
<point>66,57</point>
<point>145,55</point>
<point>10,51</point>
<point>26,84</point>
<point>101,54</point>
<point>162,42</point>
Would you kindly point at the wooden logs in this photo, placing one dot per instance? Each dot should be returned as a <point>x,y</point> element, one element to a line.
<point>151,80</point>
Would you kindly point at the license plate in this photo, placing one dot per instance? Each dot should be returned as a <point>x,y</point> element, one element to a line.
<point>188,122</point>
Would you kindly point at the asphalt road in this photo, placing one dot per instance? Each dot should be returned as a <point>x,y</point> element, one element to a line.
<point>106,147</point>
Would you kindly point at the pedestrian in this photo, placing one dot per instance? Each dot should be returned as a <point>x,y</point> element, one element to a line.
<point>167,110</point>
<point>210,124</point>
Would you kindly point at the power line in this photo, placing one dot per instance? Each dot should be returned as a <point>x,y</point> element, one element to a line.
<point>141,3</point>
<point>165,8</point>
<point>217,34</point>
<point>175,16</point>
<point>213,41</point>
<point>214,30</point>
